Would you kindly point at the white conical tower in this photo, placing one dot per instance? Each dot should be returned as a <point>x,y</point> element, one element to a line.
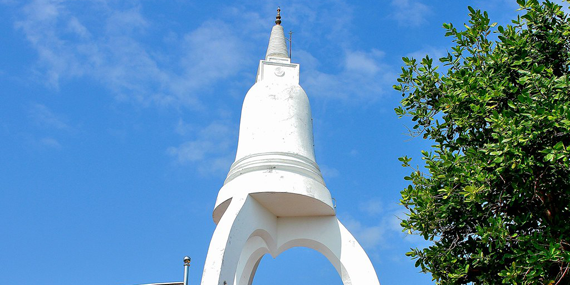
<point>275,159</point>
<point>274,197</point>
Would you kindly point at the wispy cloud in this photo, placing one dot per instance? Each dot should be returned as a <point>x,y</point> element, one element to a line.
<point>372,207</point>
<point>50,142</point>
<point>38,25</point>
<point>362,77</point>
<point>116,55</point>
<point>214,52</point>
<point>410,13</point>
<point>210,148</point>
<point>42,116</point>
<point>382,229</point>
<point>331,19</point>
<point>328,172</point>
<point>433,52</point>
<point>49,123</point>
<point>370,237</point>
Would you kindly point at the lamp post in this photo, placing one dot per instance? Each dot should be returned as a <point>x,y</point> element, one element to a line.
<point>186,268</point>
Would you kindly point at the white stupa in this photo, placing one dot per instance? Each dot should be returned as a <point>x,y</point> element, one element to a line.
<point>274,197</point>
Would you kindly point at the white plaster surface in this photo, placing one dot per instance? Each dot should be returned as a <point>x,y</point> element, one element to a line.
<point>274,197</point>
<point>277,46</point>
<point>275,151</point>
<point>247,231</point>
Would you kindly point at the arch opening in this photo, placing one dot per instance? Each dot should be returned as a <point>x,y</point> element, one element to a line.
<point>297,265</point>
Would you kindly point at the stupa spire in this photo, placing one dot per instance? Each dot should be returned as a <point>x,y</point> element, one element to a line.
<point>277,45</point>
<point>278,17</point>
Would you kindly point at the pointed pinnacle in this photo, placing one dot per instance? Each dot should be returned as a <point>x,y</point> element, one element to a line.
<point>278,18</point>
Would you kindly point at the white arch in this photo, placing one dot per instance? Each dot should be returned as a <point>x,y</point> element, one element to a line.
<point>247,231</point>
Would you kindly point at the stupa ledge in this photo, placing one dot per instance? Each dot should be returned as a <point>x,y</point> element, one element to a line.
<point>286,71</point>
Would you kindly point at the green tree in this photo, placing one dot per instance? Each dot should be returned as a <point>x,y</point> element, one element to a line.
<point>495,194</point>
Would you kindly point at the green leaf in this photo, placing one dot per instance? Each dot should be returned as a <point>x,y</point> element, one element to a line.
<point>559,146</point>
<point>538,68</point>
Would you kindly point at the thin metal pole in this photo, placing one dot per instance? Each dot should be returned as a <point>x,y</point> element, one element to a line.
<point>290,43</point>
<point>186,268</point>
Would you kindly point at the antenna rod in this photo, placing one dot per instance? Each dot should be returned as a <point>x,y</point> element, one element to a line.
<point>186,268</point>
<point>290,43</point>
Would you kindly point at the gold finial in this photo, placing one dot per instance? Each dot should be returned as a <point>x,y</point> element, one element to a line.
<point>278,18</point>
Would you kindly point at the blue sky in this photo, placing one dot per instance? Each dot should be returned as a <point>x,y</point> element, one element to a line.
<point>119,121</point>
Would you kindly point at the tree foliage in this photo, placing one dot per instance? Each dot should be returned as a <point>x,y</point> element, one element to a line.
<point>495,195</point>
